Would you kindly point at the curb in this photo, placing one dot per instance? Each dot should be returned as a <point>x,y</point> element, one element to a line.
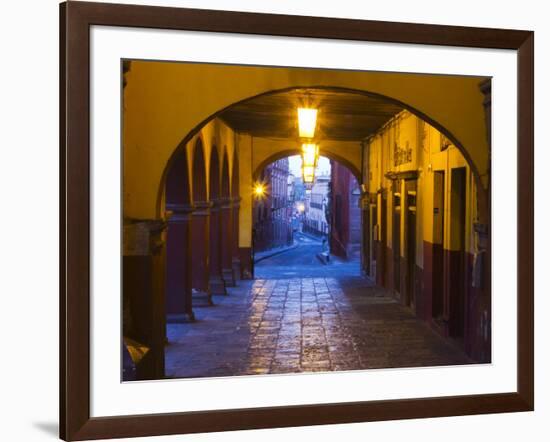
<point>278,252</point>
<point>311,236</point>
<point>323,257</point>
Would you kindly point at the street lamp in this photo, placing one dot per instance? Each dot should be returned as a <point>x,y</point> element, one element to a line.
<point>310,157</point>
<point>307,121</point>
<point>310,154</point>
<point>308,174</point>
<point>259,190</point>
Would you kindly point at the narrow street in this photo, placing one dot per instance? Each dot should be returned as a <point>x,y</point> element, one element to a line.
<point>302,261</point>
<point>274,326</point>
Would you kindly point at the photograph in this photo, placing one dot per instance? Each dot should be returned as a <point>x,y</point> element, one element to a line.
<point>280,220</point>
<point>232,221</point>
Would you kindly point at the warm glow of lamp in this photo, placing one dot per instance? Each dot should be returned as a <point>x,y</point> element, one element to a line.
<point>308,174</point>
<point>310,154</point>
<point>307,120</point>
<point>259,190</point>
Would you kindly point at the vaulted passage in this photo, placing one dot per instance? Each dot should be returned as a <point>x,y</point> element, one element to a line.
<point>281,220</point>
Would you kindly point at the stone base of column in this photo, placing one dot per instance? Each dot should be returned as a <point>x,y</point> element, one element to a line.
<point>229,277</point>
<point>246,262</point>
<point>236,268</point>
<point>217,286</point>
<point>202,298</point>
<point>180,318</point>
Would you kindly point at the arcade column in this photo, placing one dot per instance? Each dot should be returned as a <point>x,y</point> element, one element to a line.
<point>216,282</point>
<point>179,265</point>
<point>236,260</point>
<point>226,243</point>
<point>200,250</point>
<point>143,289</point>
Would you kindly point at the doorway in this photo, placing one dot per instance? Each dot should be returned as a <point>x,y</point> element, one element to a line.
<point>381,266</point>
<point>365,234</point>
<point>396,236</point>
<point>437,248</point>
<point>456,268</point>
<point>410,242</point>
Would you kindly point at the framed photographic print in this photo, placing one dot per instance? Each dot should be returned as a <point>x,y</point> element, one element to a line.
<point>274,221</point>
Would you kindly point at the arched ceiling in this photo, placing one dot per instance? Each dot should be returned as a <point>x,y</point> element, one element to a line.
<point>166,104</point>
<point>343,116</point>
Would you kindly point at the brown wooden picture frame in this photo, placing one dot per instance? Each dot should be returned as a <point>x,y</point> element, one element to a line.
<point>75,21</point>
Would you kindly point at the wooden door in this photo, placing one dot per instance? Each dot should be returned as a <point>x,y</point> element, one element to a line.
<point>437,246</point>
<point>410,242</point>
<point>457,253</point>
<point>396,236</point>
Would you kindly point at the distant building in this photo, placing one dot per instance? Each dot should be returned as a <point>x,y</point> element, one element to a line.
<point>345,234</point>
<point>271,216</point>
<point>316,201</point>
<point>299,189</point>
<point>291,192</point>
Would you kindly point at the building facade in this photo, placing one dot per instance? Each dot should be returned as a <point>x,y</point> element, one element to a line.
<point>315,220</point>
<point>345,213</point>
<point>272,225</point>
<point>421,233</point>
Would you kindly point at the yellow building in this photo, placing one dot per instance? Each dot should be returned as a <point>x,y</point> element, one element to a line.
<point>421,210</point>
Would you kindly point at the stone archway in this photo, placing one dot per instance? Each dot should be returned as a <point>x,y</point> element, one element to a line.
<point>454,105</point>
<point>476,162</point>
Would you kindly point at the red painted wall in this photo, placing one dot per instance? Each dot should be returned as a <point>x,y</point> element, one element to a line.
<point>345,221</point>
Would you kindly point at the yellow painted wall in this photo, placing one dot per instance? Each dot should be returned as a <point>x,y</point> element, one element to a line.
<point>164,102</point>
<point>427,158</point>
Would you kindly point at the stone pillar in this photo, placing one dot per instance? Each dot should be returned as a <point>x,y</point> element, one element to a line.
<point>200,250</point>
<point>179,264</point>
<point>144,323</point>
<point>226,243</point>
<point>236,259</point>
<point>216,282</point>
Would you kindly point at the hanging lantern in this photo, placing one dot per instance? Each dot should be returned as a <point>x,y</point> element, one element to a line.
<point>308,174</point>
<point>307,121</point>
<point>310,154</point>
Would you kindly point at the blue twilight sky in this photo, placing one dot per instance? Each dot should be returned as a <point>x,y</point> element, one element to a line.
<point>295,165</point>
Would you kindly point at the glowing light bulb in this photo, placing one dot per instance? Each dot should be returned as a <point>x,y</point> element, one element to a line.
<point>308,173</point>
<point>310,154</point>
<point>259,190</point>
<point>307,120</point>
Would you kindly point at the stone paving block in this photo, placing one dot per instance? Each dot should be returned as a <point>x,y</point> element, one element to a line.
<point>274,326</point>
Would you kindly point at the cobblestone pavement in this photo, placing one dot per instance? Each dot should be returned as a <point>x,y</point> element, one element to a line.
<point>303,325</point>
